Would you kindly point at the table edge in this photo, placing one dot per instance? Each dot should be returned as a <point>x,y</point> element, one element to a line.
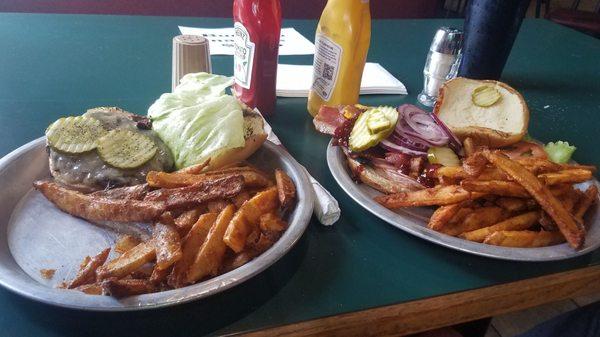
<point>439,311</point>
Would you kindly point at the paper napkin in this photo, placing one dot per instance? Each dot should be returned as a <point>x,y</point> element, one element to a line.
<point>221,40</point>
<point>296,80</point>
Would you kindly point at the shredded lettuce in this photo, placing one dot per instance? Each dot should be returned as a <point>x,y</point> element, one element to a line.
<point>198,119</point>
<point>559,152</point>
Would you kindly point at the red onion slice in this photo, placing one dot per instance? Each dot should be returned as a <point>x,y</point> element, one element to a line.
<point>454,144</point>
<point>390,146</point>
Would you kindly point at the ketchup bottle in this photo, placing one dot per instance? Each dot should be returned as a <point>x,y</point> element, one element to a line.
<point>257,26</point>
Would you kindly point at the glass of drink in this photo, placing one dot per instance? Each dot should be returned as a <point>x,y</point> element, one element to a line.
<point>490,28</point>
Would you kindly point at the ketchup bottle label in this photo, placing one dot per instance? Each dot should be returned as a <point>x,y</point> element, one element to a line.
<point>328,55</point>
<point>244,56</point>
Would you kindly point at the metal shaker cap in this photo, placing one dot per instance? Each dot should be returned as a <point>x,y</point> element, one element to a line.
<point>447,40</point>
<point>191,54</point>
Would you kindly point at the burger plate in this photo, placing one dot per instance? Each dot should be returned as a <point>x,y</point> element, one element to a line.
<point>36,235</point>
<point>414,221</point>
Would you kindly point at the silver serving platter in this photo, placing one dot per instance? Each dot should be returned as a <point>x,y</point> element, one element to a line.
<point>414,221</point>
<point>36,235</point>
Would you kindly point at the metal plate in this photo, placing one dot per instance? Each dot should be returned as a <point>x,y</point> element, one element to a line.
<point>414,221</point>
<point>39,236</point>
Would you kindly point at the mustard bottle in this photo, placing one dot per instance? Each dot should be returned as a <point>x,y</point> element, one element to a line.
<point>341,45</point>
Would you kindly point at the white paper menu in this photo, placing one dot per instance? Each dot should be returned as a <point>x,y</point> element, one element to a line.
<point>221,40</point>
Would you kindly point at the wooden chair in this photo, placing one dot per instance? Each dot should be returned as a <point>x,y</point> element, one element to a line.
<point>587,22</point>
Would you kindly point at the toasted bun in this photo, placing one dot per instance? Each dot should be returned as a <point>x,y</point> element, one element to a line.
<point>255,136</point>
<point>504,123</point>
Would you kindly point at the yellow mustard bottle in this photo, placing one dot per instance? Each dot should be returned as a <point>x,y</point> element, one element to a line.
<point>341,46</point>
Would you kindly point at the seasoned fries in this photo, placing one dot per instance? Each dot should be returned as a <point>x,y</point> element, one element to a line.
<point>125,243</point>
<point>491,199</point>
<point>524,239</point>
<point>191,246</point>
<point>209,258</point>
<point>571,176</point>
<point>441,195</point>
<point>519,222</point>
<point>129,262</point>
<point>247,217</point>
<point>285,188</point>
<point>478,218</point>
<point>442,216</point>
<point>497,187</point>
<point>573,232</point>
<point>87,274</point>
<point>127,287</point>
<point>166,242</point>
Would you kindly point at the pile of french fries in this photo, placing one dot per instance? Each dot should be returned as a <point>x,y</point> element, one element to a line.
<point>526,202</point>
<point>191,241</point>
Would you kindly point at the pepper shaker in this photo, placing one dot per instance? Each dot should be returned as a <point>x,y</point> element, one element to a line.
<point>442,63</point>
<point>191,54</point>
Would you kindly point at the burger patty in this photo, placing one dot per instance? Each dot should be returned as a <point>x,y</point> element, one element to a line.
<point>88,172</point>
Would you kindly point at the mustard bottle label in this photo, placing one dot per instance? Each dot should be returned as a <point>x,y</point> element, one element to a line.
<point>328,56</point>
<point>243,58</point>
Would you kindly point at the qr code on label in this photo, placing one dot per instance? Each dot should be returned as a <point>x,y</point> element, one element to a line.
<point>327,71</point>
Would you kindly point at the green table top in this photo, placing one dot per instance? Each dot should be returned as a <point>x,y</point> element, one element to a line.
<point>53,65</point>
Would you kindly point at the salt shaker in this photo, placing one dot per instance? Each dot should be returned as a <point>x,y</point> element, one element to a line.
<point>442,62</point>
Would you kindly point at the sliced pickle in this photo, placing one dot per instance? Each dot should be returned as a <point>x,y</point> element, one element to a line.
<point>75,134</point>
<point>126,149</point>
<point>485,96</point>
<point>443,156</point>
<point>371,127</point>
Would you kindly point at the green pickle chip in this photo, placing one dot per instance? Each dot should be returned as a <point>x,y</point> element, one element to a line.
<point>75,134</point>
<point>126,149</point>
<point>371,127</point>
<point>485,96</point>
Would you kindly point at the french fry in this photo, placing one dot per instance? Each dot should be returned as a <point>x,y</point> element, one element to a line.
<point>519,222</point>
<point>167,242</point>
<point>439,195</point>
<point>478,218</point>
<point>195,195</point>
<point>190,248</point>
<point>125,243</point>
<point>195,169</point>
<point>159,275</point>
<point>572,231</point>
<point>252,178</point>
<point>87,274</point>
<point>496,187</point>
<point>590,168</point>
<point>285,188</point>
<point>271,222</point>
<point>572,176</point>
<point>263,242</point>
<point>90,289</point>
<point>216,206</point>
<point>94,208</point>
<point>127,287</point>
<point>538,165</point>
<point>238,260</point>
<point>469,146</point>
<point>442,216</point>
<point>452,172</point>
<point>590,196</point>
<point>240,199</point>
<point>187,219</point>
<point>514,205</point>
<point>129,262</point>
<point>524,239</point>
<point>209,258</point>
<point>247,217</point>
